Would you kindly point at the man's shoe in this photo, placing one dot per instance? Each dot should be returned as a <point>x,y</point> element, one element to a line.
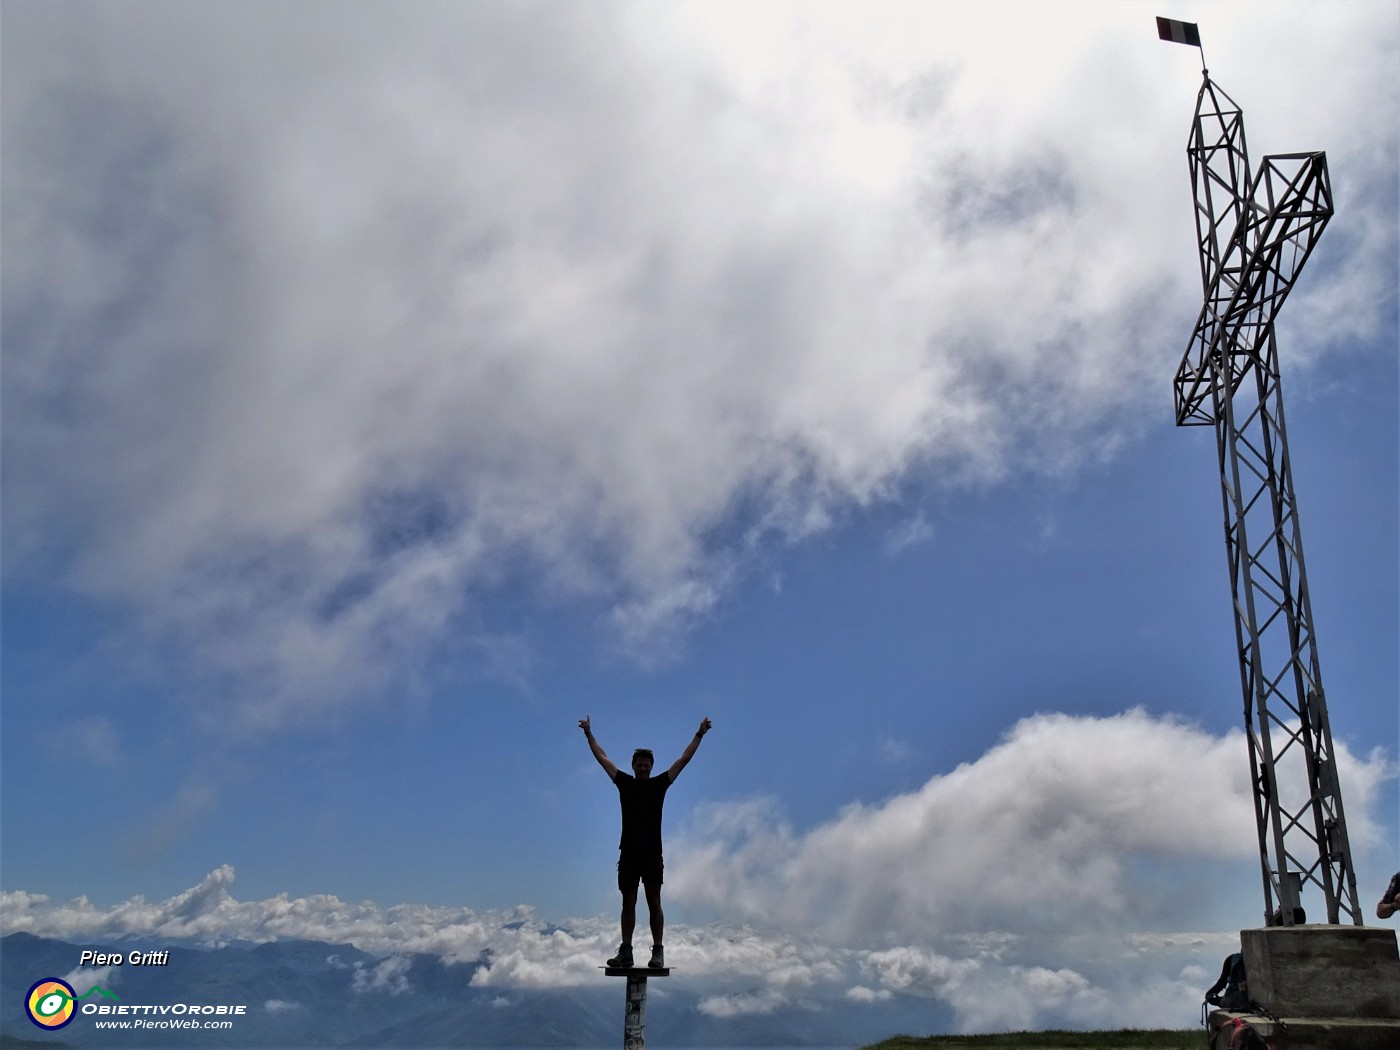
<point>658,958</point>
<point>623,959</point>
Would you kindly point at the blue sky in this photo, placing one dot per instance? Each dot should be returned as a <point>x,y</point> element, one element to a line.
<point>384,394</point>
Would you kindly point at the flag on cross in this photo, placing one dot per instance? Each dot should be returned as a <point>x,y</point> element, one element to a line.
<point>1178,32</point>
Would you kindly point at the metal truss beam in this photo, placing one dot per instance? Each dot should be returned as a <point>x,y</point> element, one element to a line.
<point>1280,221</point>
<point>1254,236</point>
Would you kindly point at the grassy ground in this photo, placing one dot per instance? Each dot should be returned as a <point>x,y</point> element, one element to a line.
<point>1124,1039</point>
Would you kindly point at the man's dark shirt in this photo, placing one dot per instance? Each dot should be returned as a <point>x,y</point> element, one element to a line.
<point>1392,892</point>
<point>641,812</point>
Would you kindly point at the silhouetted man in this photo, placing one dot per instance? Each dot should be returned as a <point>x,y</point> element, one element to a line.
<point>639,859</point>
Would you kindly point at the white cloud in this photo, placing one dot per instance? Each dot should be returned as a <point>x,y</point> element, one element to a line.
<point>320,323</point>
<point>740,1004</point>
<point>1055,829</point>
<point>387,975</point>
<point>789,963</point>
<point>85,978</point>
<point>861,994</point>
<point>905,969</point>
<point>909,533</point>
<point>988,997</point>
<point>533,957</point>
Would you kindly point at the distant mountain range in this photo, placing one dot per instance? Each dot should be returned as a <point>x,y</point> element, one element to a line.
<point>307,993</point>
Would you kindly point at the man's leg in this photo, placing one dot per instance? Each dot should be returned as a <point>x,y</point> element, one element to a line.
<point>629,913</point>
<point>658,919</point>
<point>627,878</point>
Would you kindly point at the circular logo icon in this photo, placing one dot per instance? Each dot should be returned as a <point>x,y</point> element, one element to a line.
<point>50,1003</point>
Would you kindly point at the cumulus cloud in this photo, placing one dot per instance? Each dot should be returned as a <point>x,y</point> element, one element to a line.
<point>739,1004</point>
<point>861,994</point>
<point>322,323</point>
<point>529,956</point>
<point>387,975</point>
<point>987,996</point>
<point>1050,831</point>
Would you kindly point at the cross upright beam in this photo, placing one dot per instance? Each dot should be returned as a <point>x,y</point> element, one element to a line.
<point>1254,234</point>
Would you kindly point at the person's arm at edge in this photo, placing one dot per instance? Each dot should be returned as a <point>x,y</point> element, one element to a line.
<point>1390,903</point>
<point>609,766</point>
<point>689,751</point>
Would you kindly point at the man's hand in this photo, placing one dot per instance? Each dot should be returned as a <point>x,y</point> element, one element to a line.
<point>586,724</point>
<point>689,751</point>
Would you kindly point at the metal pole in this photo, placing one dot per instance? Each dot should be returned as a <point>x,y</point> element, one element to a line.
<point>634,1018</point>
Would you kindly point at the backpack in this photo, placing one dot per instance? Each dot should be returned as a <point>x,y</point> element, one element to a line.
<point>1239,1034</point>
<point>1231,990</point>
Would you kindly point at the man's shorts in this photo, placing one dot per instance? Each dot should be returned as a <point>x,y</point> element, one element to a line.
<point>631,870</point>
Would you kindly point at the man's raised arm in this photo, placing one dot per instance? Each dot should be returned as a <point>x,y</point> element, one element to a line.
<point>609,766</point>
<point>689,751</point>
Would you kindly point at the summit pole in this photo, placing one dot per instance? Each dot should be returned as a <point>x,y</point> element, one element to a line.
<point>634,1013</point>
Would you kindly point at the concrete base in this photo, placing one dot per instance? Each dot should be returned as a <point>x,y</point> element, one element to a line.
<point>1324,971</point>
<point>1313,1033</point>
<point>1331,987</point>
